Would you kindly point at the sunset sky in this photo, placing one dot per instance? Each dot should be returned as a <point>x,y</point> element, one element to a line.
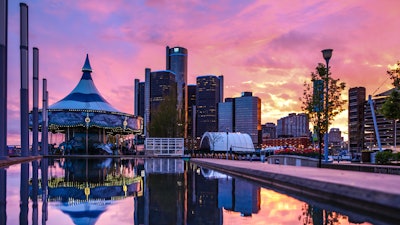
<point>267,47</point>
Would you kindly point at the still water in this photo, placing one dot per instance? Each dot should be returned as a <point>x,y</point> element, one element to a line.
<point>148,191</point>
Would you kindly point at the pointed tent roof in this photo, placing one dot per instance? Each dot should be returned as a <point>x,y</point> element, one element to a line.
<point>85,95</point>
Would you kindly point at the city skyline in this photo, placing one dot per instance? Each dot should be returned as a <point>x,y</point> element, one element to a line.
<point>269,49</point>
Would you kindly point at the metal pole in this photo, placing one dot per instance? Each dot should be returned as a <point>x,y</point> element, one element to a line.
<point>24,95</point>
<point>395,134</point>
<point>227,144</point>
<point>326,141</point>
<point>3,78</point>
<point>44,119</point>
<point>378,138</point>
<point>35,113</point>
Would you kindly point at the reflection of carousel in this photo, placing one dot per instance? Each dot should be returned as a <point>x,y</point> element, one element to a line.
<point>89,186</point>
<point>88,121</point>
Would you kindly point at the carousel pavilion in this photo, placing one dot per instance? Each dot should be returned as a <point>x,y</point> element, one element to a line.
<point>87,121</point>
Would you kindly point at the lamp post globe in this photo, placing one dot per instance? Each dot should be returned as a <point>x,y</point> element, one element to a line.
<point>327,54</point>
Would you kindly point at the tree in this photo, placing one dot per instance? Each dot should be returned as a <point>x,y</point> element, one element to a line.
<point>164,121</point>
<point>313,101</point>
<point>390,109</point>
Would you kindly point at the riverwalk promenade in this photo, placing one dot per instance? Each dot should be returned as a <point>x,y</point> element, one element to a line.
<point>372,193</point>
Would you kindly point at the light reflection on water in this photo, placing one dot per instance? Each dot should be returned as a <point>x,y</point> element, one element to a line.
<point>151,191</point>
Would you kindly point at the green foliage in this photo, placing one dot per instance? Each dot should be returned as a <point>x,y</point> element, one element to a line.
<point>390,109</point>
<point>394,75</point>
<point>164,120</point>
<point>396,156</point>
<point>384,157</point>
<point>312,100</point>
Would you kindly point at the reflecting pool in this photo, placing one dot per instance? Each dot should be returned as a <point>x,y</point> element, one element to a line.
<point>149,191</point>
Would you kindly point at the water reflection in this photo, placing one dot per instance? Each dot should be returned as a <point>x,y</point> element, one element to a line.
<point>24,194</point>
<point>3,193</point>
<point>151,191</point>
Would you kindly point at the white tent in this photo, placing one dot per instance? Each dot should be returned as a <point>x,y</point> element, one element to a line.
<point>225,141</point>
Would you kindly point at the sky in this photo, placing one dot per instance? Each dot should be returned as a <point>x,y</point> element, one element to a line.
<point>267,47</point>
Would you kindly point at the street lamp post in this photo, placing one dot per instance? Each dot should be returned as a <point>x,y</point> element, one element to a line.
<point>327,54</point>
<point>227,142</point>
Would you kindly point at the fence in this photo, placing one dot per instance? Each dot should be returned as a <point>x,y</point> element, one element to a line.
<point>164,146</point>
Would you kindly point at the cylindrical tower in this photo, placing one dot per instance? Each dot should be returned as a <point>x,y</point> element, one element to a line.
<point>177,61</point>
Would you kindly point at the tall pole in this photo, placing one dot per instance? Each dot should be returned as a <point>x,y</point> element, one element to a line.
<point>24,95</point>
<point>227,142</point>
<point>326,137</point>
<point>327,54</point>
<point>3,78</point>
<point>45,147</point>
<point>395,134</point>
<point>35,111</point>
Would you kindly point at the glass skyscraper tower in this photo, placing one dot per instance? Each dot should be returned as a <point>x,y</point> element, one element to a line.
<point>177,62</point>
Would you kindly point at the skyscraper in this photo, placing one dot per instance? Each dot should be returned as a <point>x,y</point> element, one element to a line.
<point>139,98</point>
<point>356,119</point>
<point>158,85</point>
<point>177,61</point>
<point>161,84</point>
<point>208,95</point>
<point>248,116</point>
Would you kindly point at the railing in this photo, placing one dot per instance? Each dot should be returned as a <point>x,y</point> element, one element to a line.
<point>164,146</point>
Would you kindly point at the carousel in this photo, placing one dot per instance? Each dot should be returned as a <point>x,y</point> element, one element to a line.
<point>89,124</point>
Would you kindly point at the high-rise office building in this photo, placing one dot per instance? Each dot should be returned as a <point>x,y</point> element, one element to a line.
<point>177,61</point>
<point>139,98</point>
<point>248,116</point>
<point>208,95</point>
<point>356,119</point>
<point>162,83</point>
<point>293,125</point>
<point>157,85</point>
<point>191,110</point>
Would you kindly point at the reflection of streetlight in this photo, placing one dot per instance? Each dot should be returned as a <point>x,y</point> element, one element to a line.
<point>327,54</point>
<point>395,134</point>
<point>227,141</point>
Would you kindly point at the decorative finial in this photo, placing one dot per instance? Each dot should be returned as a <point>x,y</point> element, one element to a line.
<point>86,67</point>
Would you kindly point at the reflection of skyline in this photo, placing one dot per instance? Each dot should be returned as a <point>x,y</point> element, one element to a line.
<point>191,197</point>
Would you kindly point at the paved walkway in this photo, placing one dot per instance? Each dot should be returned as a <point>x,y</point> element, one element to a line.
<point>370,192</point>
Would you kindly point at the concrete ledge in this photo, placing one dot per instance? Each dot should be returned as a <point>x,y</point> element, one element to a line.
<point>371,168</point>
<point>374,194</point>
<point>292,160</point>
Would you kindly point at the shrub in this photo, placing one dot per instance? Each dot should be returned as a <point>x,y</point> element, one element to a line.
<point>383,157</point>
